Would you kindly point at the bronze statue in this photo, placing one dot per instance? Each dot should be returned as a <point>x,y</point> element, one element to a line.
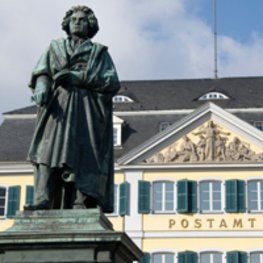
<point>72,147</point>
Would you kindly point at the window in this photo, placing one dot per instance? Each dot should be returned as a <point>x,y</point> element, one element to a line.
<point>164,125</point>
<point>117,126</point>
<point>210,196</point>
<point>258,125</point>
<point>163,196</point>
<point>121,99</point>
<point>115,204</point>
<point>256,257</point>
<point>3,200</point>
<point>211,257</point>
<point>163,258</point>
<point>124,200</point>
<point>117,135</point>
<point>214,96</point>
<point>255,195</point>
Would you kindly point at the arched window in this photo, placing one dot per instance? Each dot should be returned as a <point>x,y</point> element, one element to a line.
<point>214,96</point>
<point>210,196</point>
<point>163,196</point>
<point>3,200</point>
<point>255,195</point>
<point>121,99</point>
<point>211,257</point>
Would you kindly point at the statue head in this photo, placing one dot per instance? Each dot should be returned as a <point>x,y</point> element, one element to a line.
<point>90,23</point>
<point>211,124</point>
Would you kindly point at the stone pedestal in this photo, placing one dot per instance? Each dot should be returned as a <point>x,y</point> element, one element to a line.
<point>65,236</point>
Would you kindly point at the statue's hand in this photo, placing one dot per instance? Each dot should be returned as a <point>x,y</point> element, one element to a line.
<point>41,91</point>
<point>67,77</point>
<point>40,96</point>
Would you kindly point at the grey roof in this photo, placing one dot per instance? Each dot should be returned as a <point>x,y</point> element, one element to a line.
<point>184,94</point>
<point>15,134</point>
<point>245,92</point>
<point>15,137</point>
<point>27,110</point>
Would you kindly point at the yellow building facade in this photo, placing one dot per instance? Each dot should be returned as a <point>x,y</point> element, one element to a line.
<point>192,193</point>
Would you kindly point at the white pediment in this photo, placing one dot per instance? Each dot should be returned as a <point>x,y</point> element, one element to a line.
<point>207,135</point>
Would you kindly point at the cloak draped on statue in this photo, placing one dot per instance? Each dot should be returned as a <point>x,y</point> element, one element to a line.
<point>74,128</point>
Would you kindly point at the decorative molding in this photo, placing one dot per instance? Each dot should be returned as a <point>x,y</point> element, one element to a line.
<point>19,116</point>
<point>208,111</point>
<point>198,234</point>
<point>211,147</point>
<point>182,111</point>
<point>15,168</point>
<point>190,166</point>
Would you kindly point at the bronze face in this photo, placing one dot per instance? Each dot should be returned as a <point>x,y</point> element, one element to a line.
<point>79,24</point>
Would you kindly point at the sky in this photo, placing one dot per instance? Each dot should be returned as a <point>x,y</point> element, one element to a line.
<point>147,39</point>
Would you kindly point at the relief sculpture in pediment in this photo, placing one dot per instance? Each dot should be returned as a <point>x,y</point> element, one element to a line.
<point>212,145</point>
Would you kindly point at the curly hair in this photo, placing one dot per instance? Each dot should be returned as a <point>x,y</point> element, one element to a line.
<point>93,27</point>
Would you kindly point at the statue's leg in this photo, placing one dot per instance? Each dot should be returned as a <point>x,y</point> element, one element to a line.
<point>42,188</point>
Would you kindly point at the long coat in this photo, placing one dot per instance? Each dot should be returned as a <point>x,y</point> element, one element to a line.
<point>74,129</point>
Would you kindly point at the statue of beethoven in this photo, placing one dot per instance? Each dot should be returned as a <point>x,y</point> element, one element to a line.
<point>72,146</point>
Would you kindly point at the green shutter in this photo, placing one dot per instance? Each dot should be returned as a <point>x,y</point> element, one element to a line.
<point>235,196</point>
<point>192,191</point>
<point>182,196</point>
<point>186,196</point>
<point>243,257</point>
<point>181,257</point>
<point>236,257</point>
<point>144,197</point>
<point>231,196</point>
<point>13,200</point>
<point>187,257</point>
<point>124,198</point>
<point>241,196</point>
<point>145,258</point>
<point>29,194</point>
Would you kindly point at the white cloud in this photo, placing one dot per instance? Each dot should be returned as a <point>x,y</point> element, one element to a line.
<point>241,59</point>
<point>148,39</point>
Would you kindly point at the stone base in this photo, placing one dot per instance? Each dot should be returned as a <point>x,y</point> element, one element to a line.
<point>65,236</point>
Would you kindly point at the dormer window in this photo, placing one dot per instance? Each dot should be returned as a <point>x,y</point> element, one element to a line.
<point>121,99</point>
<point>214,96</point>
<point>117,129</point>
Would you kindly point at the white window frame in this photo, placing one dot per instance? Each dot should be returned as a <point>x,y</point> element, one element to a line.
<point>256,252</point>
<point>211,253</point>
<point>211,211</point>
<point>117,126</point>
<point>116,200</point>
<point>163,254</point>
<point>6,201</point>
<point>259,206</point>
<point>115,207</point>
<point>214,95</point>
<point>121,99</point>
<point>163,211</point>
<point>117,129</point>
